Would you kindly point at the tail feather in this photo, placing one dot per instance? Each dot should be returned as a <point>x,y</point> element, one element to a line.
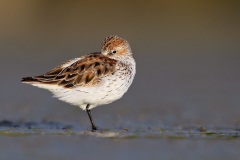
<point>29,79</point>
<point>36,81</point>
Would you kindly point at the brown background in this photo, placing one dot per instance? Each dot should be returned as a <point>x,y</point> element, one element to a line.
<point>187,54</point>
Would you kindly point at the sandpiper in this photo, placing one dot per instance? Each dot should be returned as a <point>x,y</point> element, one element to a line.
<point>91,80</point>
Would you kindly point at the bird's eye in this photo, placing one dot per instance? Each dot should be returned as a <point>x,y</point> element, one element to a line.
<point>114,51</point>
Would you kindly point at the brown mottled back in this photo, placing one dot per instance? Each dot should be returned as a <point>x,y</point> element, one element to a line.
<point>87,71</point>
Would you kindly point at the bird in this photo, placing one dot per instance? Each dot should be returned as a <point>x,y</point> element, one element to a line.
<point>91,80</point>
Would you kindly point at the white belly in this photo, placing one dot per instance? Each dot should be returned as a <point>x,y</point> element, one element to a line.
<point>110,89</point>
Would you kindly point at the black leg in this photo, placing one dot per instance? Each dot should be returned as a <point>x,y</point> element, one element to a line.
<point>90,117</point>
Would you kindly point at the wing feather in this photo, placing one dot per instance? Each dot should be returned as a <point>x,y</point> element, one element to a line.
<point>86,71</point>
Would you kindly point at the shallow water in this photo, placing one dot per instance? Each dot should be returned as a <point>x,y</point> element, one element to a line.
<point>58,141</point>
<point>183,104</point>
<point>50,128</point>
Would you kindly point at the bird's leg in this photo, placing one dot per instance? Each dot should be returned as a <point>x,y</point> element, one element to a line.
<point>90,117</point>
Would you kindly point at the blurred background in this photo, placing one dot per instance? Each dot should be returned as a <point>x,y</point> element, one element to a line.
<point>187,54</point>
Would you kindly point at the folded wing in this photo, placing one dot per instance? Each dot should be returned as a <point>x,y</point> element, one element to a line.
<point>87,71</point>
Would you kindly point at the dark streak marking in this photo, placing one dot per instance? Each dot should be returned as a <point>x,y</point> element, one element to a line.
<point>60,77</point>
<point>106,69</point>
<point>69,85</point>
<point>97,64</point>
<point>82,67</point>
<point>88,78</point>
<point>99,72</point>
<point>63,82</point>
